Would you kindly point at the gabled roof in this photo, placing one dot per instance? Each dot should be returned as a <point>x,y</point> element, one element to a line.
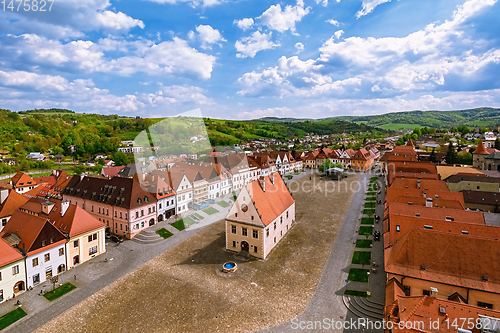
<point>446,171</point>
<point>8,254</point>
<point>436,202</point>
<point>156,184</point>
<point>12,203</point>
<point>117,191</point>
<point>453,259</point>
<point>274,201</point>
<point>409,175</point>
<point>493,156</point>
<point>28,227</point>
<point>75,220</point>
<point>429,184</point>
<point>426,309</point>
<point>481,197</point>
<point>112,171</point>
<point>458,215</point>
<point>481,178</point>
<point>21,179</point>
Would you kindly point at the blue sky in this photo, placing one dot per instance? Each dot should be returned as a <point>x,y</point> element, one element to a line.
<point>249,59</point>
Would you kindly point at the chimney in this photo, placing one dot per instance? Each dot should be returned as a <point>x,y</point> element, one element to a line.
<point>81,176</point>
<point>3,195</point>
<point>418,184</point>
<point>262,182</point>
<point>271,177</point>
<point>428,202</point>
<point>64,207</point>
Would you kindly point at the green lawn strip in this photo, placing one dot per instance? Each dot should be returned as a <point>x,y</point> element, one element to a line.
<point>189,221</point>
<point>371,198</point>
<point>358,275</point>
<point>364,231</point>
<point>11,317</point>
<point>373,178</point>
<point>179,225</point>
<point>369,194</point>
<point>357,293</point>
<point>59,291</point>
<point>198,216</point>
<point>364,243</point>
<point>367,220</point>
<point>369,212</point>
<point>370,205</point>
<point>361,258</point>
<point>210,210</point>
<point>164,233</point>
<point>223,204</point>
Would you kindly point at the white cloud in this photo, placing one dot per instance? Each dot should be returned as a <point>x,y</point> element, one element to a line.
<point>333,22</point>
<point>369,6</point>
<point>299,47</point>
<point>439,56</point>
<point>192,3</point>
<point>249,46</point>
<point>245,23</point>
<point>176,95</point>
<point>174,57</point>
<point>209,35</point>
<point>269,112</point>
<point>324,3</point>
<point>70,18</point>
<point>338,33</point>
<point>281,20</point>
<point>191,34</point>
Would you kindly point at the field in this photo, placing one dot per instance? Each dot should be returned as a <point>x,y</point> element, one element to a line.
<point>184,290</point>
<point>399,127</point>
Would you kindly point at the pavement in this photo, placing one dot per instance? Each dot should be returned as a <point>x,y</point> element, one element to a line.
<point>95,274</point>
<point>328,307</point>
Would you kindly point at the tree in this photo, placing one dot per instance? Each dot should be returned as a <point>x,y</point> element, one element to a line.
<point>120,158</point>
<point>79,169</point>
<point>451,154</point>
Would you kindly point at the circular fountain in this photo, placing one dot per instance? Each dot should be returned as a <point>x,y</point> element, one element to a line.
<point>229,267</point>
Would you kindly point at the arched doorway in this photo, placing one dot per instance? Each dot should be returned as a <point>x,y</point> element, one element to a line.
<point>160,217</point>
<point>151,222</point>
<point>61,268</point>
<point>76,260</point>
<point>19,286</point>
<point>245,247</point>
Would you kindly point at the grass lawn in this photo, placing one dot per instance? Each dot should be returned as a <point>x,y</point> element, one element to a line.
<point>356,293</point>
<point>370,205</point>
<point>369,212</point>
<point>223,204</point>
<point>371,193</point>
<point>364,243</point>
<point>363,230</point>
<point>371,198</point>
<point>361,258</point>
<point>59,291</point>
<point>179,225</point>
<point>11,317</point>
<point>398,127</point>
<point>164,233</point>
<point>373,178</point>
<point>198,216</point>
<point>210,210</point>
<point>358,275</point>
<point>367,220</point>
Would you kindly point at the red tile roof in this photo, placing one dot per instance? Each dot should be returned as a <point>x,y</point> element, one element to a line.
<point>452,259</point>
<point>458,215</point>
<point>112,171</point>
<point>21,179</point>
<point>274,201</point>
<point>429,184</point>
<point>8,254</point>
<point>481,149</point>
<point>75,220</point>
<point>12,203</point>
<point>393,175</point>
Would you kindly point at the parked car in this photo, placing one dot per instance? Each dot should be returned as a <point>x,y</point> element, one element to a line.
<point>116,238</point>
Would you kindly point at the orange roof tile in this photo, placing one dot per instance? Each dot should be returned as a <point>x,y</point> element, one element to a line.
<point>429,184</point>
<point>393,175</point>
<point>448,258</point>
<point>458,215</point>
<point>8,254</point>
<point>21,179</point>
<point>274,201</point>
<point>111,171</point>
<point>480,149</point>
<point>12,203</point>
<point>75,220</point>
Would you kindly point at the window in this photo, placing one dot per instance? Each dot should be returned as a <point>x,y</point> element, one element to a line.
<point>47,257</point>
<point>142,225</point>
<point>485,305</point>
<point>407,290</point>
<point>286,214</point>
<point>15,270</point>
<point>4,222</point>
<point>137,214</point>
<point>89,238</point>
<point>48,272</point>
<point>255,249</point>
<point>281,220</point>
<point>36,279</point>
<point>75,243</point>
<point>142,212</point>
<point>426,292</point>
<point>93,250</point>
<point>44,243</point>
<point>99,210</point>
<point>274,225</point>
<point>126,216</point>
<point>115,214</point>
<point>267,232</point>
<point>61,251</point>
<point>159,206</point>
<point>92,208</point>
<point>398,228</point>
<point>274,239</point>
<point>121,226</point>
<point>35,262</point>
<point>51,240</point>
<point>234,244</point>
<point>107,211</point>
<point>244,231</point>
<point>255,234</point>
<point>233,229</point>
<point>0,276</point>
<point>149,210</point>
